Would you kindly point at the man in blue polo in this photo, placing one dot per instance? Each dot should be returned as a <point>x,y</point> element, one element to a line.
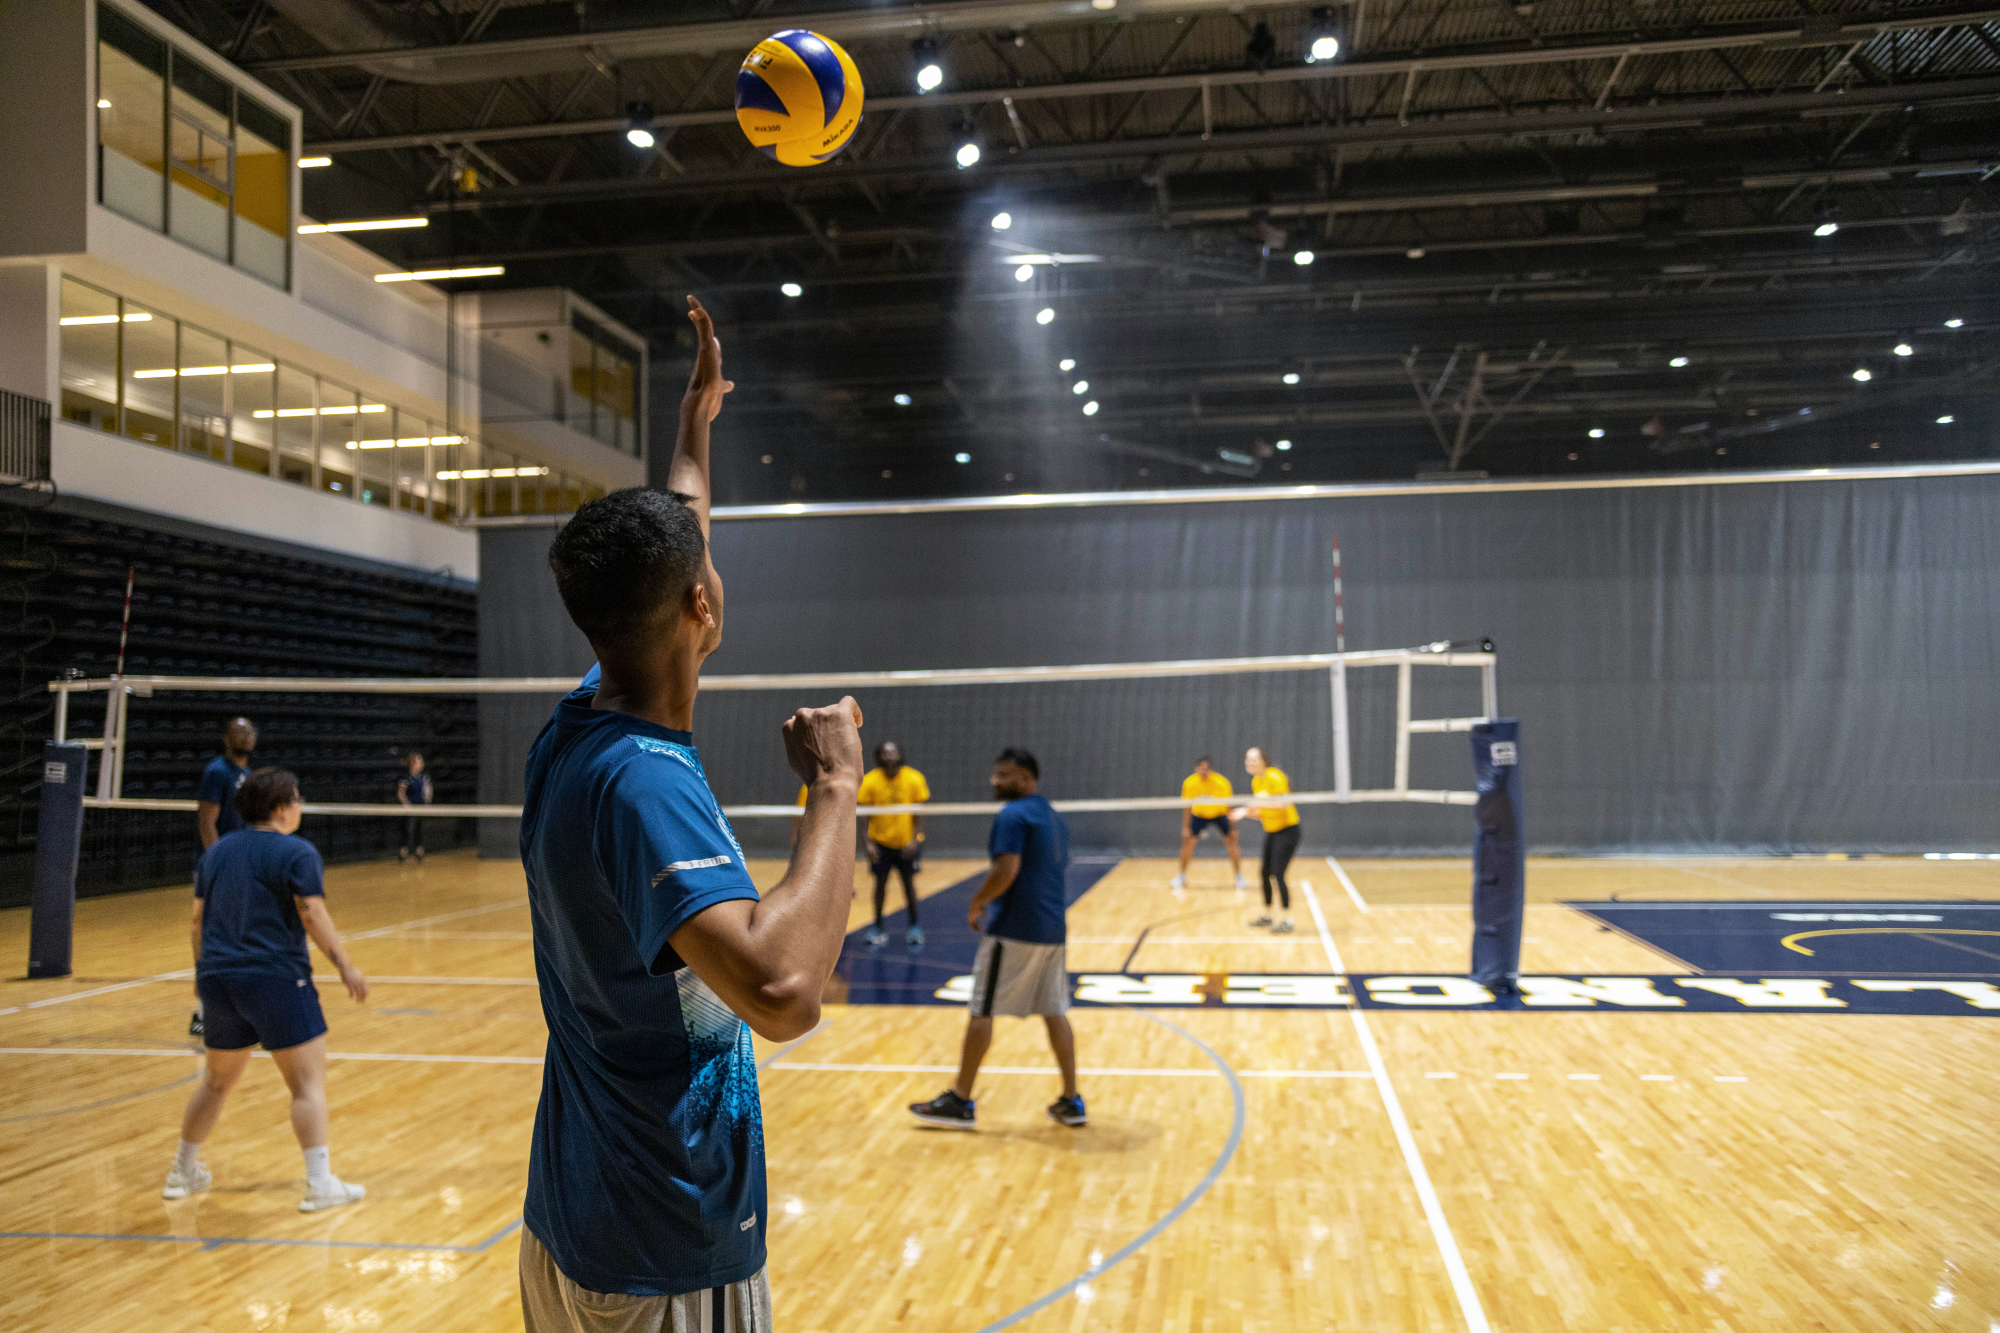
<point>1020,969</point>
<point>653,950</point>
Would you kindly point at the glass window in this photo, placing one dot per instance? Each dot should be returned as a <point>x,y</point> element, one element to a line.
<point>297,418</point>
<point>202,159</point>
<point>253,388</point>
<point>263,190</point>
<point>89,325</point>
<point>131,125</point>
<point>582,373</point>
<point>150,362</point>
<point>203,391</point>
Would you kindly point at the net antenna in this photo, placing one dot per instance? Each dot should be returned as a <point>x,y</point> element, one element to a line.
<point>1444,653</point>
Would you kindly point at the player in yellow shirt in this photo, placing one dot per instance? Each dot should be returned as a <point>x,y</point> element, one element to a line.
<point>1205,815</point>
<point>1281,834</point>
<point>895,842</point>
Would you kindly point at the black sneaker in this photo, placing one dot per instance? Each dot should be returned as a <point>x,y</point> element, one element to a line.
<point>947,1110</point>
<point>1069,1111</point>
<point>194,1024</point>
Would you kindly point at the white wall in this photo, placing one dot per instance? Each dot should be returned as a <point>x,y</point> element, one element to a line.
<point>140,476</point>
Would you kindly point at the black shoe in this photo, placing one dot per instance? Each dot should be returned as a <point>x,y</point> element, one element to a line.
<point>1068,1111</point>
<point>947,1110</point>
<point>194,1024</point>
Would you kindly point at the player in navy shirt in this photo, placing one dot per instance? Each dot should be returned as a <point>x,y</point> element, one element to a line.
<point>257,896</point>
<point>1021,968</point>
<point>652,947</point>
<point>215,800</point>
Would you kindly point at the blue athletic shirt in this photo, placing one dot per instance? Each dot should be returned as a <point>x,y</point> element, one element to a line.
<point>219,782</point>
<point>1031,910</point>
<point>647,1172</point>
<point>250,926</point>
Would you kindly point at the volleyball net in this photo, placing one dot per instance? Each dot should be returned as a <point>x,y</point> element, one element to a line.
<point>1099,730</point>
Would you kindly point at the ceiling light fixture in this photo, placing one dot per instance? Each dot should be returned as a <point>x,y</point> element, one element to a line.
<point>930,74</point>
<point>1862,375</point>
<point>71,320</point>
<point>1302,258</point>
<point>791,289</point>
<point>962,458</point>
<point>1080,387</point>
<point>1291,377</point>
<point>1954,323</point>
<point>1946,419</point>
<point>311,162</point>
<point>966,154</point>
<point>103,104</point>
<point>1414,252</point>
<point>1678,362</point>
<point>363,224</point>
<point>902,400</point>
<point>1324,40</point>
<point>639,127</point>
<point>1090,408</point>
<point>1023,273</point>
<point>1045,315</point>
<point>1067,364</point>
<point>1903,349</point>
<point>1826,229</point>
<point>1596,432</point>
<point>1002,221</point>
<point>1284,444</point>
<point>433,274</point>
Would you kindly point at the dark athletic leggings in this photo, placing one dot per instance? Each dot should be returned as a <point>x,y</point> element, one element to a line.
<point>899,860</point>
<point>413,831</point>
<point>1278,850</point>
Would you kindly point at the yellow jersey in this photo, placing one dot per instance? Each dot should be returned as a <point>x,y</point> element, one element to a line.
<point>906,788</point>
<point>1273,782</point>
<point>1214,784</point>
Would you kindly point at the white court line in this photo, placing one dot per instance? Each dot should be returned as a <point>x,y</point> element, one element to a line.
<point>380,931</point>
<point>265,1055</point>
<point>440,981</point>
<point>1454,1263</point>
<point>1151,940</point>
<point>1345,883</point>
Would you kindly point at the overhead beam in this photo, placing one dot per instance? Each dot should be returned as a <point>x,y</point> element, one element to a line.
<point>1319,72</point>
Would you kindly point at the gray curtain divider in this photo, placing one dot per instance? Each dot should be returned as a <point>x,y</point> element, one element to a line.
<point>1777,667</point>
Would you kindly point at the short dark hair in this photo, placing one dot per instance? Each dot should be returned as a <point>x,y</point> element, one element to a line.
<point>1206,760</point>
<point>621,561</point>
<point>264,792</point>
<point>885,745</point>
<point>1020,758</point>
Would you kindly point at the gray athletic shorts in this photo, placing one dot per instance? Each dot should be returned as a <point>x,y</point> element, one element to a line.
<point>1013,979</point>
<point>551,1303</point>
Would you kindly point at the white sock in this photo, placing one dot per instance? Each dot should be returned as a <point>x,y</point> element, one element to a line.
<point>187,1156</point>
<point>319,1168</point>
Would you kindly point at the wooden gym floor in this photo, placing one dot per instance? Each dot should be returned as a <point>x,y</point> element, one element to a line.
<point>1395,1170</point>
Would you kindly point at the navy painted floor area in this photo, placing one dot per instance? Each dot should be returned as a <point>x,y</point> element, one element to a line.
<point>1905,939</point>
<point>894,974</point>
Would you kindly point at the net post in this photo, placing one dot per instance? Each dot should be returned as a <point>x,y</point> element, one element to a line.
<point>1402,726</point>
<point>1489,691</point>
<point>114,700</point>
<point>62,714</point>
<point>1343,776</point>
<point>59,839</point>
<point>117,764</point>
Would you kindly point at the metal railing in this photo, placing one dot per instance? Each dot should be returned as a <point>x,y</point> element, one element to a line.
<point>24,439</point>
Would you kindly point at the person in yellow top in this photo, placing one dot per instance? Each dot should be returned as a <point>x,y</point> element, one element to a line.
<point>895,842</point>
<point>1205,815</point>
<point>1281,834</point>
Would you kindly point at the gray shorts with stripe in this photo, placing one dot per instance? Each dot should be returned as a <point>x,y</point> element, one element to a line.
<point>551,1303</point>
<point>1014,979</point>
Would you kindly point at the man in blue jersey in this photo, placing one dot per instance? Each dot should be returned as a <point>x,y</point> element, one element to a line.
<point>1020,968</point>
<point>646,1205</point>
<point>215,802</point>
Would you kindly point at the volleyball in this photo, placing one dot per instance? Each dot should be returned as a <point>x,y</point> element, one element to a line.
<point>798,97</point>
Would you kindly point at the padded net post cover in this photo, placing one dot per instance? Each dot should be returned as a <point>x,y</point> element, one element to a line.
<point>1499,855</point>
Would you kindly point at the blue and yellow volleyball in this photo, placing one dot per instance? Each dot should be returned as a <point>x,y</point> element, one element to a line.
<point>798,97</point>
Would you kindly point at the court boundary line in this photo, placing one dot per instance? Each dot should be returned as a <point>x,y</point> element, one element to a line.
<point>1173,1214</point>
<point>1427,1196</point>
<point>1346,883</point>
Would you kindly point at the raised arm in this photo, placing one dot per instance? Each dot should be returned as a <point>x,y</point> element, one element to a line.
<point>769,959</point>
<point>319,926</point>
<point>689,473</point>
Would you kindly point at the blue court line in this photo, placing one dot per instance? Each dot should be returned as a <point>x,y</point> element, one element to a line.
<point>1173,1214</point>
<point>217,1242</point>
<point>108,1101</point>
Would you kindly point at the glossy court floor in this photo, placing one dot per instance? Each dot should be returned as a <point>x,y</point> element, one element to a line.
<point>1335,1169</point>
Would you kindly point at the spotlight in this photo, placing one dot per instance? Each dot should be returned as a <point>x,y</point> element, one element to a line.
<point>1597,432</point>
<point>1080,387</point>
<point>1414,252</point>
<point>1090,409</point>
<point>1903,349</point>
<point>1067,364</point>
<point>902,400</point>
<point>639,132</point>
<point>791,289</point>
<point>1002,221</point>
<point>1045,315</point>
<point>1291,377</point>
<point>929,73</point>
<point>1862,375</point>
<point>1325,42</point>
<point>962,458</point>
<point>1302,258</point>
<point>1954,323</point>
<point>967,154</point>
<point>1284,444</point>
<point>1826,229</point>
<point>1678,362</point>
<point>1023,273</point>
<point>1946,419</point>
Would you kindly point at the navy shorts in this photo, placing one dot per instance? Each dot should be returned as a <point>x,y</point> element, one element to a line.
<point>1220,823</point>
<point>245,1009</point>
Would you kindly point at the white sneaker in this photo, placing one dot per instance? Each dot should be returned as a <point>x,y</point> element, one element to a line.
<point>1178,882</point>
<point>182,1183</point>
<point>1283,927</point>
<point>1260,922</point>
<point>1241,883</point>
<point>334,1195</point>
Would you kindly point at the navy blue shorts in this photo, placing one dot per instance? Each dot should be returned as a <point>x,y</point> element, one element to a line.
<point>247,1009</point>
<point>1220,823</point>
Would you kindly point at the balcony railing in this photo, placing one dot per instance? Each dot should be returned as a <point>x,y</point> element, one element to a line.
<point>24,439</point>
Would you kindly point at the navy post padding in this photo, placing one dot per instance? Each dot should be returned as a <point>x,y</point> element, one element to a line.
<point>1499,855</point>
<point>59,838</point>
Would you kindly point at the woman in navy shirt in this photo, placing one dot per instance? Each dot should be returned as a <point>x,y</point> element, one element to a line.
<point>413,789</point>
<point>257,896</point>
